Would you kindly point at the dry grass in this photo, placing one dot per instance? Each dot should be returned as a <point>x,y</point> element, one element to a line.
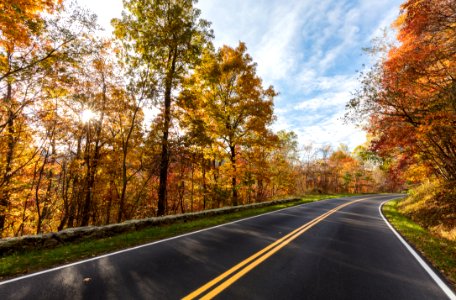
<point>433,206</point>
<point>441,252</point>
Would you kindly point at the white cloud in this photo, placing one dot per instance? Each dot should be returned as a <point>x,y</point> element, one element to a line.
<point>388,17</point>
<point>323,102</point>
<point>276,52</point>
<point>333,132</point>
<point>268,27</point>
<point>281,123</point>
<point>309,82</point>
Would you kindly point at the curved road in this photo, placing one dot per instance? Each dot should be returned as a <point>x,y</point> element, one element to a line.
<point>333,249</point>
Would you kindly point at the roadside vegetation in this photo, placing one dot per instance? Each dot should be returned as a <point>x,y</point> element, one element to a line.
<point>439,250</point>
<point>29,261</point>
<point>432,206</point>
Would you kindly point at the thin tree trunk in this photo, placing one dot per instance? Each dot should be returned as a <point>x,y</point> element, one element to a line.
<point>203,164</point>
<point>192,185</point>
<point>125,149</point>
<point>4,188</point>
<point>124,186</point>
<point>66,204</point>
<point>164,160</point>
<point>37,196</point>
<point>233,178</point>
<point>89,183</point>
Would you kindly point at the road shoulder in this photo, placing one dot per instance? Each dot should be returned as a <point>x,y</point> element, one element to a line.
<point>441,253</point>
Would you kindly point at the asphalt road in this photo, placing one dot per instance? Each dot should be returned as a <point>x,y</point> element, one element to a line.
<point>322,250</point>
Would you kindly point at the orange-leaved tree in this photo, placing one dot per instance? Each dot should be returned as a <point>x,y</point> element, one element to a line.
<point>409,96</point>
<point>237,109</point>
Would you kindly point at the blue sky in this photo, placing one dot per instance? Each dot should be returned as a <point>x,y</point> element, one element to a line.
<point>308,50</point>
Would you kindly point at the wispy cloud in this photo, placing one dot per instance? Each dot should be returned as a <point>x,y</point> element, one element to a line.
<point>310,51</point>
<point>330,131</point>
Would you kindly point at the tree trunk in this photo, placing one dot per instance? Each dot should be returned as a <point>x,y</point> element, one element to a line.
<point>4,188</point>
<point>233,178</point>
<point>164,160</point>
<point>92,165</point>
<point>89,183</point>
<point>124,186</point>
<point>37,195</point>
<point>66,205</point>
<point>203,164</point>
<point>193,184</point>
<point>125,149</point>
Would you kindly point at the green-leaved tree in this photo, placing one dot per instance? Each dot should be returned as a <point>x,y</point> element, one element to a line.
<point>163,40</point>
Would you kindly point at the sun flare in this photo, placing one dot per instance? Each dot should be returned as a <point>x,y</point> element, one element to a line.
<point>88,115</point>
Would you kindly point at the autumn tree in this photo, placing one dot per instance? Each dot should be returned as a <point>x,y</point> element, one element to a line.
<point>30,47</point>
<point>128,135</point>
<point>283,163</point>
<point>409,96</point>
<point>263,163</point>
<point>237,109</point>
<point>20,22</point>
<point>163,39</point>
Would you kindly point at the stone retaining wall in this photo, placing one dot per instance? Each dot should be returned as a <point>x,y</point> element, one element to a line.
<point>53,239</point>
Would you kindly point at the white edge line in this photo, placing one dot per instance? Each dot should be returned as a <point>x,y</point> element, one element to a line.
<point>425,266</point>
<point>150,244</point>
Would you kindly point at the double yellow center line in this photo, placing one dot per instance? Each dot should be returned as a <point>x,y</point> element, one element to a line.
<point>250,263</point>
